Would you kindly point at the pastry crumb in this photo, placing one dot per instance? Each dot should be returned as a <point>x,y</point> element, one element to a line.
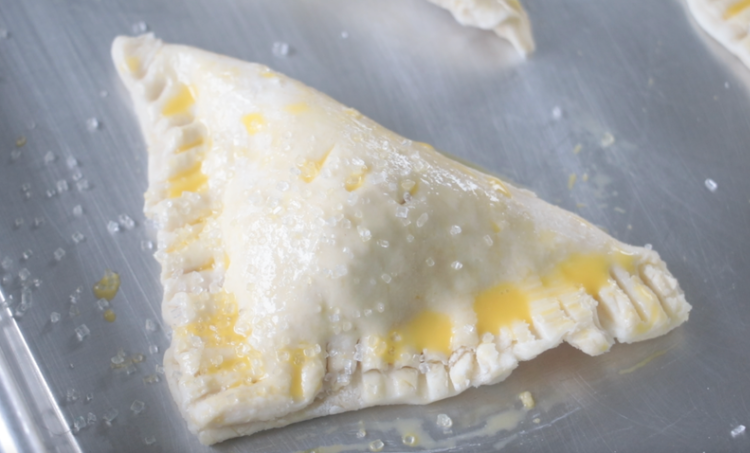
<point>527,400</point>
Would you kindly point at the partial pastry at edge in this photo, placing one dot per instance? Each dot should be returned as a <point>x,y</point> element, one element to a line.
<point>727,21</point>
<point>314,262</point>
<point>506,18</point>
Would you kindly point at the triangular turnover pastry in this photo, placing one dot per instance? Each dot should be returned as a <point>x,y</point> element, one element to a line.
<point>727,21</point>
<point>314,262</point>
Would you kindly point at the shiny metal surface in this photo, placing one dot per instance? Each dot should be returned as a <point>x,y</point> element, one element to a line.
<point>676,105</point>
<point>31,419</point>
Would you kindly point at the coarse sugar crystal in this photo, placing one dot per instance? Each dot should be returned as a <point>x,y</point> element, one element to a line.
<point>82,332</point>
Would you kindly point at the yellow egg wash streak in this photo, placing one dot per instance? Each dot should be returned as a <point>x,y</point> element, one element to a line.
<point>180,103</point>
<point>191,180</point>
<point>254,123</point>
<point>502,305</point>
<point>428,331</point>
<point>736,8</point>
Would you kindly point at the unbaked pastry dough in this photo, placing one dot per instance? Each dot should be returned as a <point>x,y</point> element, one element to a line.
<point>727,21</point>
<point>506,18</point>
<point>314,262</point>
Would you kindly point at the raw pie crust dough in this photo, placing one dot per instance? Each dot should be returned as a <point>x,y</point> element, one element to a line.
<point>727,21</point>
<point>314,262</point>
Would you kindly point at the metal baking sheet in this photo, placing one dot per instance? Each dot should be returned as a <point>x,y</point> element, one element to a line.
<point>656,106</point>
